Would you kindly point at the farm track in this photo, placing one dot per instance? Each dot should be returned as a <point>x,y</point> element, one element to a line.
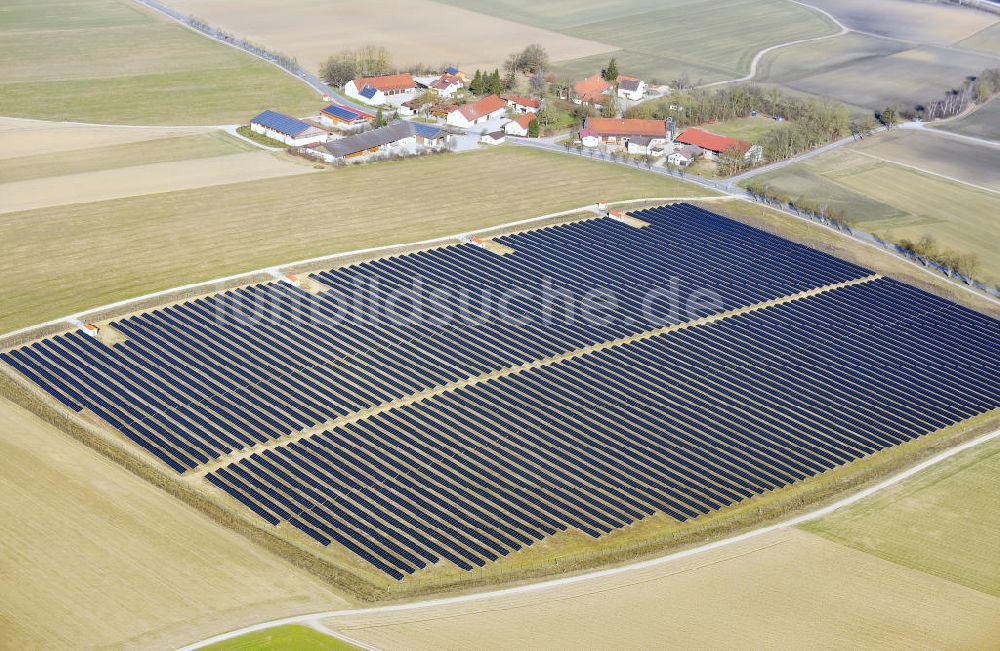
<point>529,591</point>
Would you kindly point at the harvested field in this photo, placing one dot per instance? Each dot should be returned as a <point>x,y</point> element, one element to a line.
<point>107,55</point>
<point>787,589</point>
<point>21,138</point>
<point>708,41</point>
<point>147,179</point>
<point>985,40</point>
<point>893,201</point>
<point>433,33</point>
<point>959,159</point>
<point>149,243</point>
<point>170,148</point>
<point>94,556</point>
<point>919,22</point>
<point>984,122</point>
<point>943,522</point>
<point>870,73</point>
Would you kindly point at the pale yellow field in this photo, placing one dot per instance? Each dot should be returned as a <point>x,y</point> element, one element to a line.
<point>429,33</point>
<point>93,556</point>
<point>920,22</point>
<point>19,137</point>
<point>788,589</point>
<point>153,178</point>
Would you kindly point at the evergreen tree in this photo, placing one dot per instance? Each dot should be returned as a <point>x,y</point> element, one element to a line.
<point>476,87</point>
<point>533,128</point>
<point>495,87</point>
<point>611,72</point>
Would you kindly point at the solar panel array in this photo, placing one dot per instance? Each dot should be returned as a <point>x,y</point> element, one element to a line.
<point>681,423</point>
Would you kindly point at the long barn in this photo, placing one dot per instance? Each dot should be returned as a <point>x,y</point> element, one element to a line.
<point>410,443</point>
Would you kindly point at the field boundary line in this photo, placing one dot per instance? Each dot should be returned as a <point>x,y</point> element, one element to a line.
<point>923,171</point>
<point>206,127</point>
<point>420,396</point>
<point>623,569</point>
<point>69,318</point>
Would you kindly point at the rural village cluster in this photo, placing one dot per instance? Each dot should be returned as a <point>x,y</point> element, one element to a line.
<point>438,113</point>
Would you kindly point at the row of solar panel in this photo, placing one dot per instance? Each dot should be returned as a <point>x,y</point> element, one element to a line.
<point>682,423</point>
<point>197,380</point>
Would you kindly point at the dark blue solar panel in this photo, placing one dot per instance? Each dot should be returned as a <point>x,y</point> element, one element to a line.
<point>280,122</point>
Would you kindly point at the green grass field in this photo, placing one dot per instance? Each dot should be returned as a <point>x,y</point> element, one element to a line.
<point>749,129</point>
<point>161,150</point>
<point>896,202</point>
<point>984,122</point>
<point>110,250</point>
<point>710,41</point>
<point>943,521</point>
<point>283,638</point>
<point>112,61</point>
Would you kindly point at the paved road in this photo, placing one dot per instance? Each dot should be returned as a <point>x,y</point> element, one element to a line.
<point>312,80</point>
<point>922,126</point>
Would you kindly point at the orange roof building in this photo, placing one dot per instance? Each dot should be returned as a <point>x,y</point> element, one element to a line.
<point>479,111</point>
<point>591,89</point>
<point>613,128</point>
<point>711,141</point>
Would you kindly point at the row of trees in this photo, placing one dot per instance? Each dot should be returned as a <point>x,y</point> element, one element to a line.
<point>365,61</point>
<point>486,83</point>
<point>973,90</point>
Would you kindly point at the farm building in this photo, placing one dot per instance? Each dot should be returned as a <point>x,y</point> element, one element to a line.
<point>398,137</point>
<point>620,132</point>
<point>590,90</point>
<point>413,107</point>
<point>519,125</point>
<point>493,138</point>
<point>446,85</point>
<point>522,104</point>
<point>685,155</point>
<point>340,115</point>
<point>480,111</point>
<point>286,129</point>
<point>631,88</point>
<point>374,90</point>
<point>714,145</point>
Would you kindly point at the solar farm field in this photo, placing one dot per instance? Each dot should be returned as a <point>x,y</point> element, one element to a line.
<point>709,366</point>
<point>108,56</point>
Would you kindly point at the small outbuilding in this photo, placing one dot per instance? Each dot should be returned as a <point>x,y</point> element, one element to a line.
<point>494,138</point>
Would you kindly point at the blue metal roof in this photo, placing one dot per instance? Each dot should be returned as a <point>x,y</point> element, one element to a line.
<point>280,122</point>
<point>452,70</point>
<point>345,113</point>
<point>368,92</point>
<point>426,130</point>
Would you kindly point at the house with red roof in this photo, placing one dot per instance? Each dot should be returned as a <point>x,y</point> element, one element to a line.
<point>519,125</point>
<point>375,90</point>
<point>713,145</point>
<point>446,85</point>
<point>520,104</point>
<point>590,90</point>
<point>467,115</point>
<point>636,136</point>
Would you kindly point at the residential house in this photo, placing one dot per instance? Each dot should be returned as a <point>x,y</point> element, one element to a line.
<point>714,145</point>
<point>467,115</point>
<point>685,155</point>
<point>446,85</point>
<point>286,129</point>
<point>620,132</point>
<point>522,104</point>
<point>639,145</point>
<point>590,90</point>
<point>340,115</point>
<point>494,138</point>
<point>375,90</point>
<point>519,125</point>
<point>631,88</point>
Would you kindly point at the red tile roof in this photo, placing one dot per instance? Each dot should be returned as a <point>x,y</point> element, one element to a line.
<point>524,101</point>
<point>710,141</point>
<point>524,119</point>
<point>388,82</point>
<point>482,107</point>
<point>626,127</point>
<point>591,88</point>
